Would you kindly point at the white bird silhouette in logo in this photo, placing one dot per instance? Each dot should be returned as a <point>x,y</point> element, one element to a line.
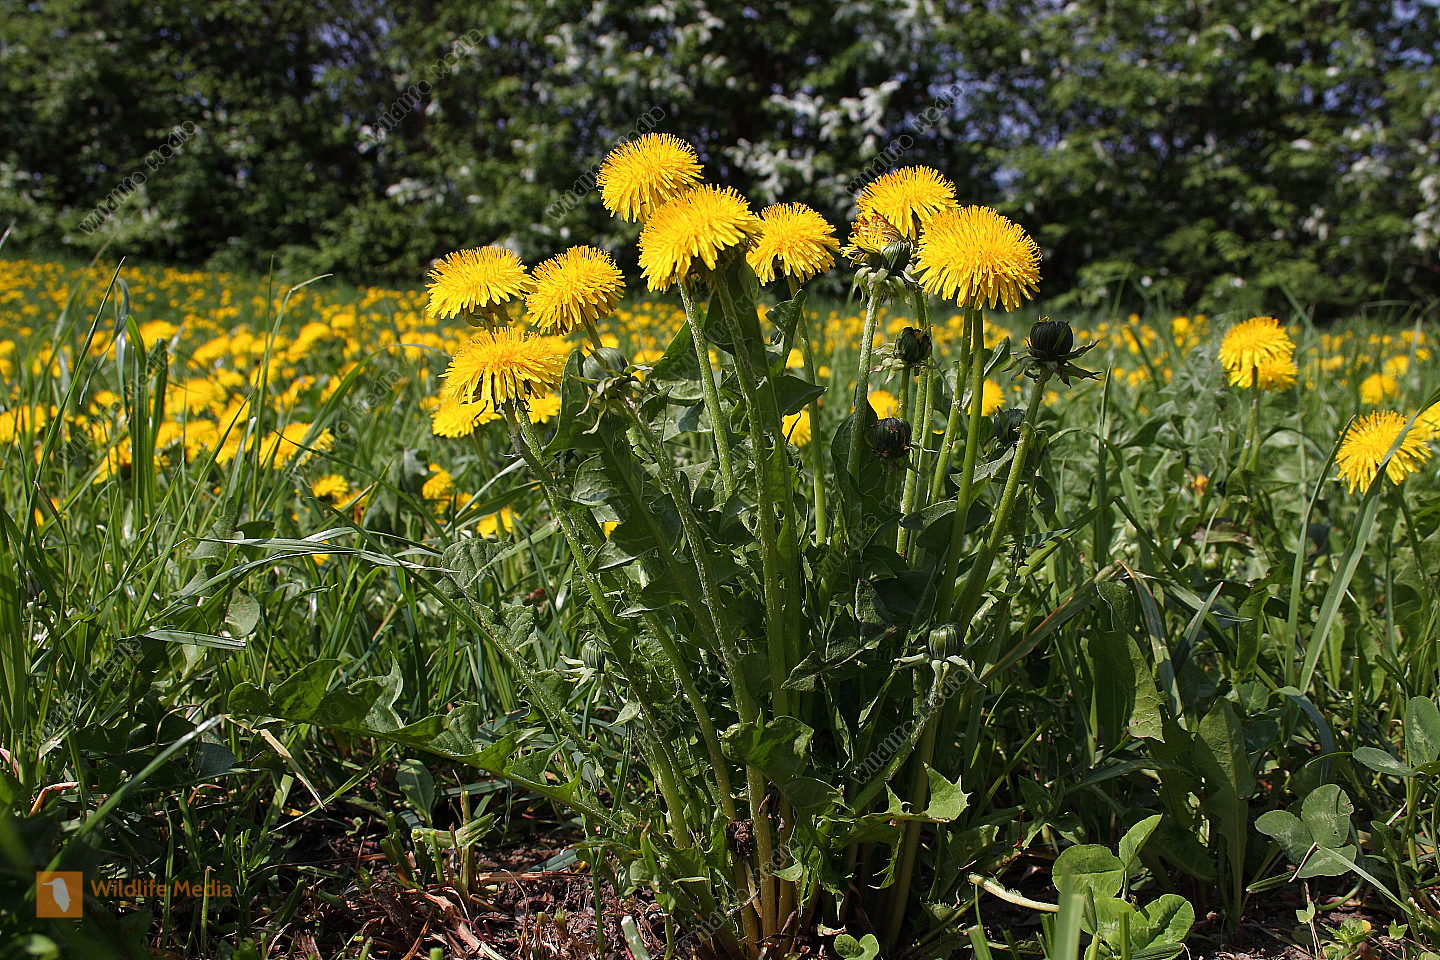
<point>61,892</point>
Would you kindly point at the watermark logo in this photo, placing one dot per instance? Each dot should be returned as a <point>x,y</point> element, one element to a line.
<point>59,894</point>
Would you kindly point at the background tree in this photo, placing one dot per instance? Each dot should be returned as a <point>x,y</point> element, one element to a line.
<point>1284,148</point>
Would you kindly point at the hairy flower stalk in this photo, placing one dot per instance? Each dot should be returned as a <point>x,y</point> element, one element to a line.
<point>951,569</point>
<point>523,436</point>
<point>969,601</point>
<point>752,915</point>
<point>944,454</point>
<point>919,419</point>
<point>862,381</point>
<point>709,392</point>
<point>815,449</point>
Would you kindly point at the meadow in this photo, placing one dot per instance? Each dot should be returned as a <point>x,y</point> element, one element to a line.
<point>394,637</point>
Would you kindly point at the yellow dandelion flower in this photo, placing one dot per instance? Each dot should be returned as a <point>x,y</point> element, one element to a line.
<point>978,258</point>
<point>440,485</point>
<point>992,398</point>
<point>505,364</point>
<point>641,175</point>
<point>1369,439</point>
<point>798,237</point>
<point>869,235</point>
<point>496,523</point>
<point>884,404</point>
<point>1248,344</point>
<point>543,409</point>
<point>1273,373</point>
<point>1377,388</point>
<point>1429,421</point>
<point>330,487</point>
<point>797,428</point>
<point>474,280</point>
<point>290,444</point>
<point>698,226</point>
<point>455,419</point>
<point>579,286</point>
<point>908,197</point>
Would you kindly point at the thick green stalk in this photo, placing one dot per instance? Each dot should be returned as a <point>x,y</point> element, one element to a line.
<point>946,452</point>
<point>814,449</point>
<point>677,663</point>
<point>980,571</point>
<point>862,383</point>
<point>914,498</point>
<point>745,703</point>
<point>523,433</point>
<point>771,504</point>
<point>1252,429</point>
<point>710,392</point>
<point>951,569</point>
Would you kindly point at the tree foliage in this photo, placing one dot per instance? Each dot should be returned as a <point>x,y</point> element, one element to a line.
<point>1289,146</point>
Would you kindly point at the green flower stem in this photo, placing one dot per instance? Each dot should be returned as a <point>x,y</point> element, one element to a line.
<point>969,603</point>
<point>951,570</point>
<point>710,392</point>
<point>523,434</point>
<point>677,662</point>
<point>745,704</point>
<point>946,452</point>
<point>985,558</point>
<point>862,382</point>
<point>910,846</point>
<point>778,552</point>
<point>916,487</point>
<point>917,414</point>
<point>1252,428</point>
<point>814,451</point>
<point>776,530</point>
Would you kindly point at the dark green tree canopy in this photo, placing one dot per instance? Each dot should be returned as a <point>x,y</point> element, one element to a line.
<point>1286,146</point>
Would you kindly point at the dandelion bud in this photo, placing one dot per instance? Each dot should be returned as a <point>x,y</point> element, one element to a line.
<point>944,641</point>
<point>1051,340</point>
<point>890,438</point>
<point>896,255</point>
<point>1007,426</point>
<point>1050,351</point>
<point>914,346</point>
<point>604,362</point>
<point>608,371</point>
<point>593,656</point>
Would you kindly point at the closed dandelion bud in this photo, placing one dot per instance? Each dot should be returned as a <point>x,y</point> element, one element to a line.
<point>896,255</point>
<point>914,346</point>
<point>890,438</point>
<point>944,641</point>
<point>604,362</point>
<point>609,371</point>
<point>1007,426</point>
<point>1051,349</point>
<point>1051,340</point>
<point>592,656</point>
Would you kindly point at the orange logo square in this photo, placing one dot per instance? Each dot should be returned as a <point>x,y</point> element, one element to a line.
<point>59,893</point>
